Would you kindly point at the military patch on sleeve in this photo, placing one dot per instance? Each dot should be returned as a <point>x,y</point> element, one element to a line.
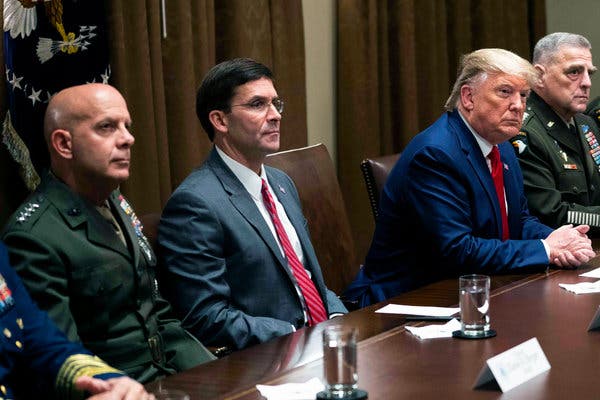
<point>519,142</point>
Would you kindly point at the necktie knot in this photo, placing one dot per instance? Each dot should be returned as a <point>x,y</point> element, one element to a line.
<point>494,157</point>
<point>268,200</point>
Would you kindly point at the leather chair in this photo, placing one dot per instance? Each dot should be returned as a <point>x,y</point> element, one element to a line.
<point>375,172</point>
<point>313,173</point>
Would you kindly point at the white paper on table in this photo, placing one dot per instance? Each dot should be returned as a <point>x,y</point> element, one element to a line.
<point>435,331</point>
<point>595,273</point>
<point>292,391</point>
<point>582,287</point>
<point>418,310</point>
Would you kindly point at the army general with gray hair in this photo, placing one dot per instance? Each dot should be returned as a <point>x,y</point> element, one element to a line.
<point>558,146</point>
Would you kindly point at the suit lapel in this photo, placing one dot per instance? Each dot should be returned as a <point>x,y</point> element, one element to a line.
<point>296,217</point>
<point>242,201</point>
<point>552,122</point>
<point>292,211</point>
<point>477,162</point>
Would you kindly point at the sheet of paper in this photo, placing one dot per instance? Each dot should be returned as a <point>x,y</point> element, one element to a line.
<point>435,331</point>
<point>418,310</point>
<point>292,391</point>
<point>582,287</point>
<point>595,273</point>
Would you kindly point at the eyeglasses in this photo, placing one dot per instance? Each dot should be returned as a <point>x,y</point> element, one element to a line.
<point>260,106</point>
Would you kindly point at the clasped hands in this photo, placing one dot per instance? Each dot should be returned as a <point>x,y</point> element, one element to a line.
<point>569,246</point>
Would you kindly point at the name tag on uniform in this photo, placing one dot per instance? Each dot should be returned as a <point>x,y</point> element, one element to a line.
<point>570,166</point>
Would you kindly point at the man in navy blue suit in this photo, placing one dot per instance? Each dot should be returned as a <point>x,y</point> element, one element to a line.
<point>441,215</point>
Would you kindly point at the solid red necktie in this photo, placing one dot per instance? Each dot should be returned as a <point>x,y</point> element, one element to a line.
<point>314,303</point>
<point>498,177</point>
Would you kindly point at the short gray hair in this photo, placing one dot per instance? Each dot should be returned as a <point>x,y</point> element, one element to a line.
<point>546,48</point>
<point>475,67</point>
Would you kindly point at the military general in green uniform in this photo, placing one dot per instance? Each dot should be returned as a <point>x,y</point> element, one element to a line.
<point>558,146</point>
<point>79,247</point>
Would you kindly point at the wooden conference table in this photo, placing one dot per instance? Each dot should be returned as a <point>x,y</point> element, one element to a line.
<point>393,364</point>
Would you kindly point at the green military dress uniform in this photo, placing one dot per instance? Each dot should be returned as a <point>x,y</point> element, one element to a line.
<point>97,288</point>
<point>561,168</point>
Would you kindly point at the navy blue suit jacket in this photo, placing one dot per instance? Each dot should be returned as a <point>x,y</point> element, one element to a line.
<point>225,274</point>
<point>440,217</point>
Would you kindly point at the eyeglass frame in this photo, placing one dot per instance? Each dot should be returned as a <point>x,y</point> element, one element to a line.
<point>275,102</point>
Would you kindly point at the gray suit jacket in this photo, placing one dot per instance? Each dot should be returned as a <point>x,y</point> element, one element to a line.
<point>224,272</point>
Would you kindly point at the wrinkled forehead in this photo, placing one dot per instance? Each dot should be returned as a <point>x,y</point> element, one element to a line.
<point>497,80</point>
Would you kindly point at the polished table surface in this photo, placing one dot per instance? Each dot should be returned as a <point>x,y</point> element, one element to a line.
<point>393,364</point>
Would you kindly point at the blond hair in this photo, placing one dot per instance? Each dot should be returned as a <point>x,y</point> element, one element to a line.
<point>476,66</point>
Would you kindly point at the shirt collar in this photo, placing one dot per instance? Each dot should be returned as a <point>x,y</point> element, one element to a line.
<point>249,179</point>
<point>484,145</point>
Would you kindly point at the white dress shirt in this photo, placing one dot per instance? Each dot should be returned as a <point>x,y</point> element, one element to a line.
<point>253,184</point>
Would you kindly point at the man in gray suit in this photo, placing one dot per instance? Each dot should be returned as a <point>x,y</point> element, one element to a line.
<point>240,267</point>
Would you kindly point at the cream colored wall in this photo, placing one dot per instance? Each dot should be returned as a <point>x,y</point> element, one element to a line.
<point>319,42</point>
<point>580,16</point>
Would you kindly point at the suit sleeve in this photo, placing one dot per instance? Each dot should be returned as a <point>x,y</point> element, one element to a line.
<point>439,193</point>
<point>45,277</point>
<point>192,245</point>
<point>543,194</point>
<point>46,355</point>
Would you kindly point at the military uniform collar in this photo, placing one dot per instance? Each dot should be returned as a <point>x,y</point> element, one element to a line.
<point>555,126</point>
<point>77,211</point>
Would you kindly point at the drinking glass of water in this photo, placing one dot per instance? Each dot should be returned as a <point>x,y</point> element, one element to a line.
<point>474,297</point>
<point>339,361</point>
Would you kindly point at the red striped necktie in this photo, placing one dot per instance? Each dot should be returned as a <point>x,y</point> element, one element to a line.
<point>498,177</point>
<point>314,303</point>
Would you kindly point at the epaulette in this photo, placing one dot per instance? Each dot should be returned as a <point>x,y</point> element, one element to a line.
<point>29,211</point>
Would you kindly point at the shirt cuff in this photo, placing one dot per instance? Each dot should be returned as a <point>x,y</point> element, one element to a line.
<point>547,250</point>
